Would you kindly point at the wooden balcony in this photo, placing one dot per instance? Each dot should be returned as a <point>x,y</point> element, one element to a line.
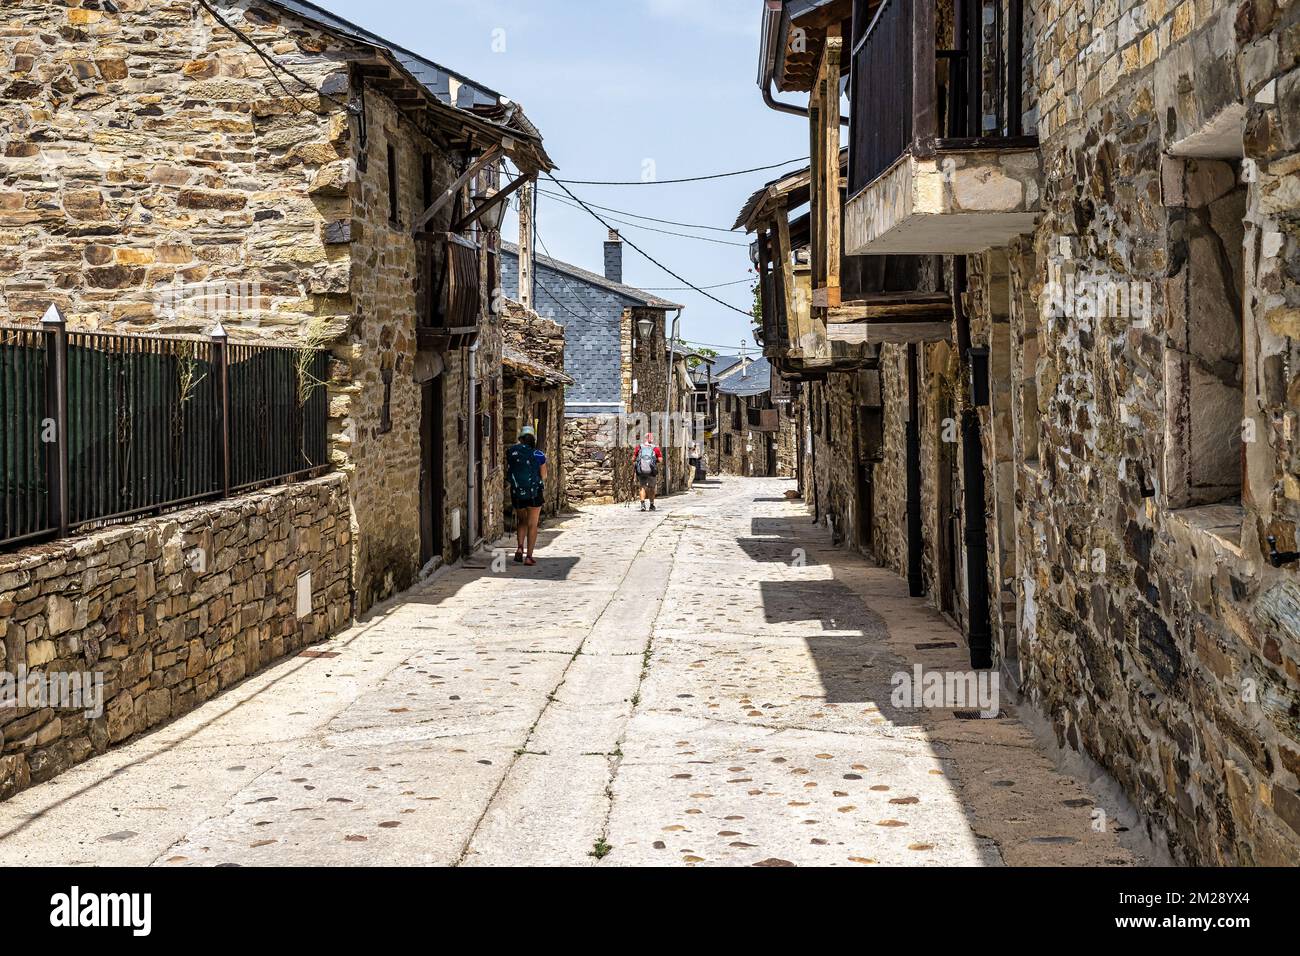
<point>451,304</point>
<point>764,419</point>
<point>937,159</point>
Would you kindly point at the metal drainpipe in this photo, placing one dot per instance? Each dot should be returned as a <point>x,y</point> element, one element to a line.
<point>780,107</point>
<point>974,510</point>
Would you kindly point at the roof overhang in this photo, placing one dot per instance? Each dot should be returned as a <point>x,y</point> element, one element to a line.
<point>472,115</point>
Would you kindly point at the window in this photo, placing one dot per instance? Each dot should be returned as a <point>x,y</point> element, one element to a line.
<point>726,444</point>
<point>426,180</point>
<point>386,410</point>
<point>392,185</point>
<point>1204,396</point>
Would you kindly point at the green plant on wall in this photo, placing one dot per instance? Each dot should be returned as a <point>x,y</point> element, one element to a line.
<point>314,338</point>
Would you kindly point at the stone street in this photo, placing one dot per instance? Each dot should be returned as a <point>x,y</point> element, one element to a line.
<point>708,684</point>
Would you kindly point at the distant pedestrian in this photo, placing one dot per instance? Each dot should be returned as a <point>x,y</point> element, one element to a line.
<point>645,462</point>
<point>526,471</point>
<point>696,461</point>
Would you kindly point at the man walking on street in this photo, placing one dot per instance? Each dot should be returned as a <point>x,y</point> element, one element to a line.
<point>645,462</point>
<point>526,470</point>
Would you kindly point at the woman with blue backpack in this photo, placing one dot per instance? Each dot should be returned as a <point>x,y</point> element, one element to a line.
<point>526,471</point>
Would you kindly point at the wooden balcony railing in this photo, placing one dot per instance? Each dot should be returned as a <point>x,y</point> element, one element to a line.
<point>450,316</point>
<point>900,102</point>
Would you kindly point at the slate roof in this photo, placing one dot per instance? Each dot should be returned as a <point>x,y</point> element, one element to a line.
<point>521,364</point>
<point>450,88</point>
<point>794,186</point>
<point>755,380</point>
<point>721,365</point>
<point>638,296</point>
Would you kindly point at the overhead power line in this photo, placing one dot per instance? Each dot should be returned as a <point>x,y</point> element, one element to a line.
<point>666,182</point>
<point>684,288</point>
<point>637,225</point>
<point>274,65</point>
<point>633,215</point>
<point>680,278</point>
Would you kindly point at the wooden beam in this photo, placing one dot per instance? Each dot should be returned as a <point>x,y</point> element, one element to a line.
<point>830,158</point>
<point>526,246</point>
<point>794,316</point>
<point>491,155</point>
<point>871,315</point>
<point>497,198</point>
<point>924,94</point>
<point>873,333</point>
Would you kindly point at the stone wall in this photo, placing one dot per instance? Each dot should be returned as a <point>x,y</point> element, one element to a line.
<point>147,154</point>
<point>589,460</point>
<point>147,150</point>
<point>1157,638</point>
<point>168,612</point>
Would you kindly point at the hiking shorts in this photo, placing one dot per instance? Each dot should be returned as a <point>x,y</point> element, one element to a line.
<point>648,482</point>
<point>519,502</point>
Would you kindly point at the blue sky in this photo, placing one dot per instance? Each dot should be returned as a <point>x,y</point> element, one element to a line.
<point>612,84</point>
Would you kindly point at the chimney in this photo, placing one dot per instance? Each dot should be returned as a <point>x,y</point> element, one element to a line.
<point>614,257</point>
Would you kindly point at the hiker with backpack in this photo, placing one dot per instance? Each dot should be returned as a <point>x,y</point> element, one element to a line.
<point>645,462</point>
<point>526,471</point>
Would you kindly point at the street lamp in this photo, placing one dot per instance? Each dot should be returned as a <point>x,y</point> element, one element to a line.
<point>645,327</point>
<point>491,213</point>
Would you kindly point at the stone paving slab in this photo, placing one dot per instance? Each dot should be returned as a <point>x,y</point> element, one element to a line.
<point>700,792</point>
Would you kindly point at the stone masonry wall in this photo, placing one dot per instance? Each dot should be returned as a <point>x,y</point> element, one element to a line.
<point>1159,640</point>
<point>169,611</point>
<point>146,150</point>
<point>589,455</point>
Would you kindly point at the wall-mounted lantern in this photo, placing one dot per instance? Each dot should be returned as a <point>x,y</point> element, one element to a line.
<point>489,213</point>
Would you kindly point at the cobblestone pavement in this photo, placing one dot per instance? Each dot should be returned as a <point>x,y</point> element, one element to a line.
<point>707,684</point>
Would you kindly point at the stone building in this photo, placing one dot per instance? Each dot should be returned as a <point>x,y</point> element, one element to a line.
<point>1047,347</point>
<point>625,379</point>
<point>150,154</point>
<point>755,435</point>
<point>533,394</point>
<point>166,166</point>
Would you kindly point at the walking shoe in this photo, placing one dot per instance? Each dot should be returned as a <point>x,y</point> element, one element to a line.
<point>643,506</point>
<point>519,557</point>
<point>652,506</point>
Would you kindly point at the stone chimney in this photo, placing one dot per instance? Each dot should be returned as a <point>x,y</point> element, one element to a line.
<point>614,257</point>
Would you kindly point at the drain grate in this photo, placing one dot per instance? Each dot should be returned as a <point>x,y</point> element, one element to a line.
<point>978,715</point>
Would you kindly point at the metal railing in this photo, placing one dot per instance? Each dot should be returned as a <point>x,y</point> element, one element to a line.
<point>97,427</point>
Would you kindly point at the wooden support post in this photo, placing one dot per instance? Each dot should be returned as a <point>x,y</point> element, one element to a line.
<point>830,157</point>
<point>450,192</point>
<point>794,315</point>
<point>526,194</point>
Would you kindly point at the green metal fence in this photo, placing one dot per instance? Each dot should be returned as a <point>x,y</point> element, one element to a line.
<point>101,427</point>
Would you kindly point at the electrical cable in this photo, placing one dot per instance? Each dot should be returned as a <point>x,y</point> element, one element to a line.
<point>666,182</point>
<point>675,275</point>
<point>273,64</point>
<point>666,232</point>
<point>633,215</point>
